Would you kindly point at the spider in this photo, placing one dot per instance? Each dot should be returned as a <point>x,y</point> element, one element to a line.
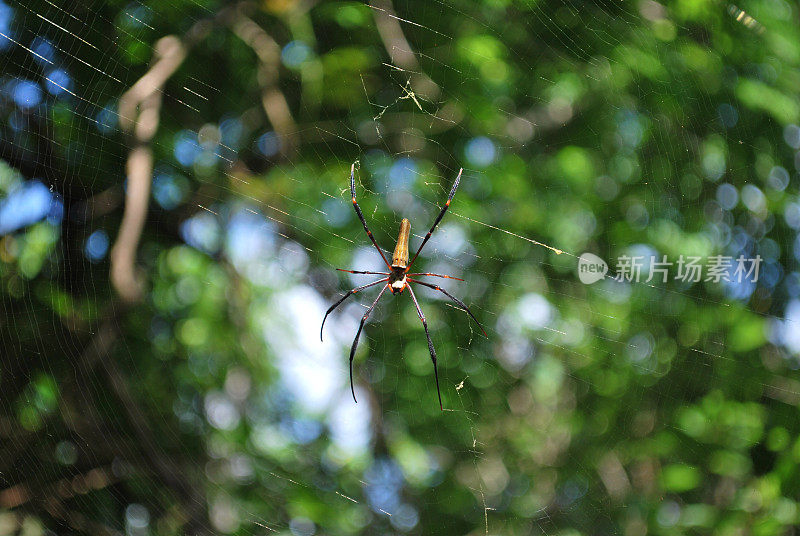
<point>398,279</point>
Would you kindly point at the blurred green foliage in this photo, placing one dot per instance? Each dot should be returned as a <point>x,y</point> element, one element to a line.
<point>620,128</point>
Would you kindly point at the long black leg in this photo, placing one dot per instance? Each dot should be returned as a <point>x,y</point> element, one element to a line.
<point>358,334</point>
<point>459,302</point>
<point>360,272</point>
<point>349,293</point>
<point>430,344</point>
<point>438,219</point>
<point>361,216</point>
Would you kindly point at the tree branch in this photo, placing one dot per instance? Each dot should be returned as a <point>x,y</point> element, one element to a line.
<point>139,109</point>
<point>272,99</point>
<point>399,49</point>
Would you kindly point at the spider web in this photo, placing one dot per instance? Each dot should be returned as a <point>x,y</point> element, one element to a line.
<point>189,393</point>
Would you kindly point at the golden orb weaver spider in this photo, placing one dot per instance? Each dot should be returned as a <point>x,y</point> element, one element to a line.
<point>398,279</point>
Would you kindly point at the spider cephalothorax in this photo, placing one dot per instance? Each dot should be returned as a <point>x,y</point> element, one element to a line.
<point>398,278</point>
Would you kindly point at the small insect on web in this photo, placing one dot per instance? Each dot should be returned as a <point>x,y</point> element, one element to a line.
<point>398,279</point>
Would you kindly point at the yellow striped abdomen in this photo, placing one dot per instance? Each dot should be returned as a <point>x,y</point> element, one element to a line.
<point>400,257</point>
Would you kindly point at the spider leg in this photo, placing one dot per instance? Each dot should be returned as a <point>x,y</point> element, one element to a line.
<point>439,275</point>
<point>359,272</point>
<point>358,334</point>
<point>347,295</point>
<point>459,302</point>
<point>361,216</point>
<point>438,218</point>
<point>430,344</point>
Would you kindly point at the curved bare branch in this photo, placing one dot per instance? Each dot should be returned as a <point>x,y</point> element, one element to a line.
<point>139,109</point>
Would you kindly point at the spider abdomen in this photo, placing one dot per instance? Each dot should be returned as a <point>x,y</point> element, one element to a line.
<point>400,257</point>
